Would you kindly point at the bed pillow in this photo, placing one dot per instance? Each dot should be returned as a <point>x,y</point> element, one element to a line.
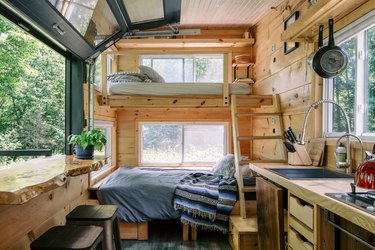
<point>151,73</point>
<point>225,166</point>
<point>124,77</point>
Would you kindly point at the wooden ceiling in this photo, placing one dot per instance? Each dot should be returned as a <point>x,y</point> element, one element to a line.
<point>222,13</point>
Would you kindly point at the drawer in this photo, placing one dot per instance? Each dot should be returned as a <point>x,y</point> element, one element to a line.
<point>297,242</point>
<point>301,228</point>
<point>301,210</point>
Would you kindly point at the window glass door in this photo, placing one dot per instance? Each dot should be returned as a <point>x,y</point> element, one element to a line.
<point>93,19</point>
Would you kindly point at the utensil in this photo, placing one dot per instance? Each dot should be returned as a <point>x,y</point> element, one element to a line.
<point>330,60</point>
<point>292,134</point>
<point>288,136</point>
<point>310,59</point>
<point>289,146</point>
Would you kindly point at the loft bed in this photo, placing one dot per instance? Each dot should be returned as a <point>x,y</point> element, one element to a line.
<point>154,94</point>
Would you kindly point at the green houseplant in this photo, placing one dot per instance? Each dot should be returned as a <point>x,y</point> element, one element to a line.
<point>86,142</point>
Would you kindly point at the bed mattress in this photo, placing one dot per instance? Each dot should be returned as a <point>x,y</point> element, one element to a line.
<point>143,194</point>
<point>175,89</point>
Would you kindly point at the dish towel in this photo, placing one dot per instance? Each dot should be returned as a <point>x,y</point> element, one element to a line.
<point>206,200</point>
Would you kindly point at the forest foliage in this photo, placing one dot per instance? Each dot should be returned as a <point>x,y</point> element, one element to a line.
<point>345,85</point>
<point>32,93</point>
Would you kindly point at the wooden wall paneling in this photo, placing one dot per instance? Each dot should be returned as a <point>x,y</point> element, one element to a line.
<point>128,63</point>
<point>263,149</point>
<point>295,101</point>
<point>104,113</point>
<point>128,120</point>
<point>290,77</point>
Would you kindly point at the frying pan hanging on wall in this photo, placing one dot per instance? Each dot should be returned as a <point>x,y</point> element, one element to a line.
<point>329,61</point>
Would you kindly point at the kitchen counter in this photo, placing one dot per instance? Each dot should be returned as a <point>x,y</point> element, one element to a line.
<point>27,180</point>
<point>314,192</point>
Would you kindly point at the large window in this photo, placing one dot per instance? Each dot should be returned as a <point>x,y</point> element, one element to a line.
<point>32,93</point>
<point>354,89</point>
<point>182,143</point>
<point>187,68</point>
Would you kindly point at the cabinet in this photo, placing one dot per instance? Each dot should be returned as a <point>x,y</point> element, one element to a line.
<point>301,223</point>
<point>270,214</point>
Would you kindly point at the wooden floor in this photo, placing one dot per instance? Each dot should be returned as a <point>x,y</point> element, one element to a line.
<point>168,235</point>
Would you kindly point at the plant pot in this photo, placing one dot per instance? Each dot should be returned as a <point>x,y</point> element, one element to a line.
<point>88,153</point>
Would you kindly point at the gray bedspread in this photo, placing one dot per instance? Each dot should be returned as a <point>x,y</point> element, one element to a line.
<point>143,194</point>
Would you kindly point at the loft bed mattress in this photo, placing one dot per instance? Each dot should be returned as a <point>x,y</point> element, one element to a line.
<point>143,194</point>
<point>173,89</point>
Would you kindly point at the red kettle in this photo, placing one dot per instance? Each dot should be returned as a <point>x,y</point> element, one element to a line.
<point>365,175</point>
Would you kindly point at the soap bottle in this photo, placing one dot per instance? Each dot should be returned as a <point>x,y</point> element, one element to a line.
<point>340,156</point>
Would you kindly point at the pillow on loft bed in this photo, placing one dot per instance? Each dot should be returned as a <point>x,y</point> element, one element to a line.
<point>151,73</point>
<point>225,166</point>
<point>124,77</point>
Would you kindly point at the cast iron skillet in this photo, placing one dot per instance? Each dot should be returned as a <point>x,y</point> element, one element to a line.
<point>331,60</point>
<point>310,59</point>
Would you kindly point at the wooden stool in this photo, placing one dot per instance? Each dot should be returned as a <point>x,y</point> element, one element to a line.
<point>98,215</point>
<point>70,237</point>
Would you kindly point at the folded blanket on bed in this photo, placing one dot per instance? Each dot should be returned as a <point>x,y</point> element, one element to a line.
<point>125,77</point>
<point>206,200</point>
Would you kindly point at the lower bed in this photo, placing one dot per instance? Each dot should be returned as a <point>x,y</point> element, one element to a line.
<point>143,194</point>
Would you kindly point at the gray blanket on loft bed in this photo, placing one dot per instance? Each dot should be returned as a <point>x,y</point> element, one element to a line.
<point>143,194</point>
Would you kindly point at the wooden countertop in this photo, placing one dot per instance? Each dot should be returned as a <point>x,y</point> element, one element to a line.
<point>314,191</point>
<point>26,180</point>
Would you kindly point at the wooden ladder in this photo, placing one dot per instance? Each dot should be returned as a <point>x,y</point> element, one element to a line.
<point>237,138</point>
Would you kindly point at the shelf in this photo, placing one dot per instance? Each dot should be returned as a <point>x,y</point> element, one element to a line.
<point>248,66</point>
<point>242,65</point>
<point>342,11</point>
<point>184,43</point>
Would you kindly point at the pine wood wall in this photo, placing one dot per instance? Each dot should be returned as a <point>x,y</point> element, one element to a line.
<point>127,119</point>
<point>289,76</point>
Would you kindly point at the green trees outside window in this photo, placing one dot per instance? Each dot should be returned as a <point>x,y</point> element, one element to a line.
<point>32,93</point>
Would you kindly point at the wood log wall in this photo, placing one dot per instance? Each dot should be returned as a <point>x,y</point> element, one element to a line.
<point>290,76</point>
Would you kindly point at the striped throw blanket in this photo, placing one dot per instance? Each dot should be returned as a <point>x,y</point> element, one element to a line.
<point>206,200</point>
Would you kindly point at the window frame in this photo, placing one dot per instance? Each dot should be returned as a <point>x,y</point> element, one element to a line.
<point>109,126</point>
<point>355,29</point>
<point>227,142</point>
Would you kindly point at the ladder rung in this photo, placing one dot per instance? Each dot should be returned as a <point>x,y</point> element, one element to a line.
<point>248,189</point>
<point>258,114</point>
<point>269,137</point>
<point>262,161</point>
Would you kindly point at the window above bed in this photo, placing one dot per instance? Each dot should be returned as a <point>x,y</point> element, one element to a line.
<point>187,68</point>
<point>182,143</point>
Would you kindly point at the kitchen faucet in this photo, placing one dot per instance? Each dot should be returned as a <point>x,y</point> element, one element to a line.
<point>347,135</point>
<point>347,163</point>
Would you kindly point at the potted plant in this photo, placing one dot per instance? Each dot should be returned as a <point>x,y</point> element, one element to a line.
<point>86,142</point>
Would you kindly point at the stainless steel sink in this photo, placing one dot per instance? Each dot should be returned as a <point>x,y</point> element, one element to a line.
<point>309,173</point>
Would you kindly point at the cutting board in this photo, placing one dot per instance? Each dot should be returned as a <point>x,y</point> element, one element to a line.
<point>315,149</point>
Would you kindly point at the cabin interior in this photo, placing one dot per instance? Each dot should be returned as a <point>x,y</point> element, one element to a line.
<point>266,65</point>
